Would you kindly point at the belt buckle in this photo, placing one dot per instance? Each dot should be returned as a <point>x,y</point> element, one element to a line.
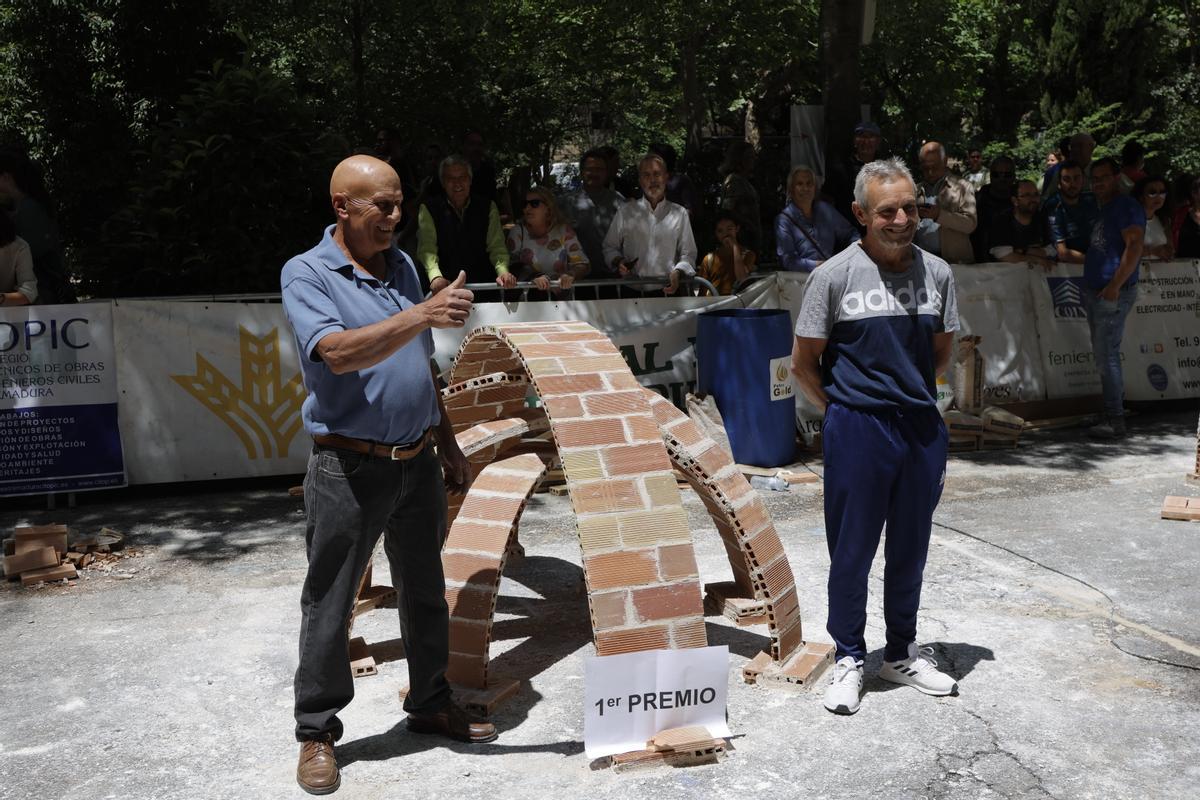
<point>398,449</point>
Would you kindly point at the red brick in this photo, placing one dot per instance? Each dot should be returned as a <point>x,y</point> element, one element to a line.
<point>752,517</point>
<point>470,601</point>
<point>35,537</point>
<point>635,459</point>
<point>564,406</point>
<point>712,459</point>
<point>677,561</point>
<point>632,640</point>
<point>582,364</point>
<point>589,432</point>
<point>786,609</point>
<point>608,609</point>
<point>56,573</point>
<point>466,535</point>
<point>471,568</point>
<point>668,602</point>
<point>503,393</point>
<point>643,428</point>
<point>467,670</point>
<point>778,577</point>
<point>689,633</point>
<point>491,507</point>
<point>470,638</point>
<point>557,349</point>
<point>606,496</point>
<point>620,569</point>
<point>615,403</point>
<point>790,639</point>
<point>489,481</point>
<point>619,381</point>
<point>765,545</point>
<point>687,433</point>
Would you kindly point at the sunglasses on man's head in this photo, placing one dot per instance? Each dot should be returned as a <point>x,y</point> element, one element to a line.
<point>533,202</point>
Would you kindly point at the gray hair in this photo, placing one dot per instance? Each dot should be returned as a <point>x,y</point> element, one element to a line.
<point>796,170</point>
<point>653,157</point>
<point>884,170</point>
<point>454,160</point>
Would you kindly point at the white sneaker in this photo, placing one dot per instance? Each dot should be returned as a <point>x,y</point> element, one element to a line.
<point>919,670</point>
<point>842,696</point>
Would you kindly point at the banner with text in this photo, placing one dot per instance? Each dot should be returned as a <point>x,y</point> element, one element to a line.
<point>629,698</point>
<point>1160,350</point>
<point>58,400</point>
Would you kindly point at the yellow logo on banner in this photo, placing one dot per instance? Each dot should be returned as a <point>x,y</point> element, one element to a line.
<point>264,411</point>
<point>781,373</point>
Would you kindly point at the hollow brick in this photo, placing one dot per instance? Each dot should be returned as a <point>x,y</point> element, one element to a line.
<point>778,576</point>
<point>790,638</point>
<point>620,569</point>
<point>668,601</point>
<point>563,407</point>
<point>608,363</point>
<point>661,526</point>
<point>608,609</point>
<point>631,640</point>
<point>489,481</point>
<point>569,384</point>
<point>677,561</point>
<point>689,633</point>
<point>662,490</point>
<point>467,535</point>
<point>589,433</point>
<point>470,601</point>
<point>541,367</point>
<point>467,670</point>
<point>599,533</point>
<point>606,496</point>
<point>635,459</point>
<point>582,465</point>
<point>765,545</point>
<point>470,568</point>
<point>642,428</point>
<point>620,381</point>
<point>493,508</point>
<point>613,403</point>
<point>469,637</point>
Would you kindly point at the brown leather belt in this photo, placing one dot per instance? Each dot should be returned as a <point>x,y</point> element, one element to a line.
<point>395,452</point>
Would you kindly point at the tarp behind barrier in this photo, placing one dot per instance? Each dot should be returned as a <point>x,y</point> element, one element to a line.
<point>212,390</point>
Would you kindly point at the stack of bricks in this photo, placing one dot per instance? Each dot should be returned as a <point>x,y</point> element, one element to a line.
<point>760,567</point>
<point>473,560</point>
<point>36,555</point>
<point>643,583</point>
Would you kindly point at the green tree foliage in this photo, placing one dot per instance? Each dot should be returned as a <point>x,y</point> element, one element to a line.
<point>172,175</point>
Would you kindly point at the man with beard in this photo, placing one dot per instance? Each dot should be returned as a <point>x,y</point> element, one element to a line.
<point>875,328</point>
<point>993,201</point>
<point>1019,235</point>
<point>1070,214</point>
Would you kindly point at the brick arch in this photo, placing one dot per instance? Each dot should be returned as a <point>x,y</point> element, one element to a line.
<point>760,567</point>
<point>639,566</point>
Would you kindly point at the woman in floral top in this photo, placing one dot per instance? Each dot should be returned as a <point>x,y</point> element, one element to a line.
<point>543,246</point>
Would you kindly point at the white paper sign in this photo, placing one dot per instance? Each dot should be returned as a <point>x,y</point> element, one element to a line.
<point>629,698</point>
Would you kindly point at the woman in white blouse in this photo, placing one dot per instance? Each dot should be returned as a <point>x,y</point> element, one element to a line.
<point>1151,192</point>
<point>543,246</point>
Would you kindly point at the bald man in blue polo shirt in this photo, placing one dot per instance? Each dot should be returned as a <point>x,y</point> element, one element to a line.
<point>373,411</point>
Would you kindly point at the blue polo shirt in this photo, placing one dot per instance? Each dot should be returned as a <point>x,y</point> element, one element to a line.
<point>1108,245</point>
<point>393,402</point>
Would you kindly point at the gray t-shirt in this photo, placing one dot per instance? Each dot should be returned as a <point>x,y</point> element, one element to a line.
<point>879,327</point>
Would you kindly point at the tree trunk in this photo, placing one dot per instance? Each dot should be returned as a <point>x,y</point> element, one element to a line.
<point>357,67</point>
<point>693,99</point>
<point>841,29</point>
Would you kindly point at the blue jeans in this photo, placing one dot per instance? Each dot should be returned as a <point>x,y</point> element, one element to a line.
<point>881,468</point>
<point>350,500</point>
<point>1106,320</point>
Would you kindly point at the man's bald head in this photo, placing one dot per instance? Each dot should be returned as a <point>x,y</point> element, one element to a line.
<point>362,176</point>
<point>933,161</point>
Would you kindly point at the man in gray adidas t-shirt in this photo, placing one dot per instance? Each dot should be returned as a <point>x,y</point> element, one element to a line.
<point>875,328</point>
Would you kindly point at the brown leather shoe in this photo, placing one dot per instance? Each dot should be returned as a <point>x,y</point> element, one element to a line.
<point>317,772</point>
<point>454,723</point>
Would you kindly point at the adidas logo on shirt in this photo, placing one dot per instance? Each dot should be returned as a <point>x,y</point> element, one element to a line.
<point>904,299</point>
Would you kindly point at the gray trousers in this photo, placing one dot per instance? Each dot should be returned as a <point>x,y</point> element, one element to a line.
<point>350,500</point>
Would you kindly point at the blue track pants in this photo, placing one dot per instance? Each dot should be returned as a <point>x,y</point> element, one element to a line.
<point>881,468</point>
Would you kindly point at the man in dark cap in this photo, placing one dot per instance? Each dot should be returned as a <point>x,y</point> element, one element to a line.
<point>840,175</point>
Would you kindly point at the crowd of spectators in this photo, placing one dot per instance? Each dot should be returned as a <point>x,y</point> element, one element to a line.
<point>607,225</point>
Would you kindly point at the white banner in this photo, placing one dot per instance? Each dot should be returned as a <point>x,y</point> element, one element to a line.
<point>629,698</point>
<point>209,390</point>
<point>1160,350</point>
<point>58,400</point>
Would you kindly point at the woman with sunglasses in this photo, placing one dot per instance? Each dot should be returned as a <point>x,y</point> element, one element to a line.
<point>544,247</point>
<point>1151,192</point>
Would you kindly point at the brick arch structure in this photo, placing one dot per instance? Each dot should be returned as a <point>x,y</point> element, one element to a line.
<point>642,580</point>
<point>618,444</point>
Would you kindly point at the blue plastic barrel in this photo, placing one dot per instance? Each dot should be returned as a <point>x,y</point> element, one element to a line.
<point>743,359</point>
